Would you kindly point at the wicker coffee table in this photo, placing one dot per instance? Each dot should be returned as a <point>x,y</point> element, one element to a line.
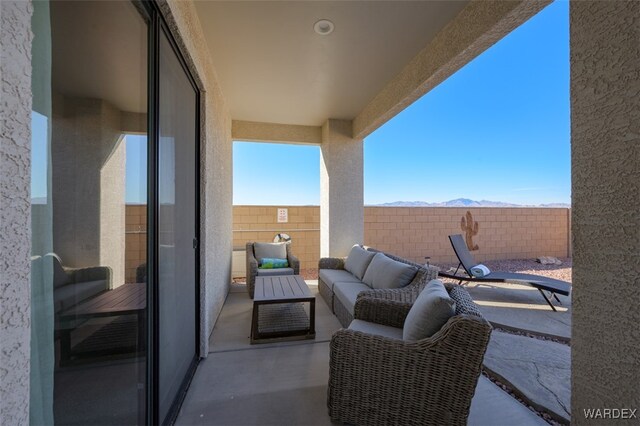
<point>278,310</point>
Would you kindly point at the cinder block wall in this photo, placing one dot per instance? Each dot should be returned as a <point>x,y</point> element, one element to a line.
<point>136,240</point>
<point>503,233</point>
<point>416,232</point>
<point>259,223</point>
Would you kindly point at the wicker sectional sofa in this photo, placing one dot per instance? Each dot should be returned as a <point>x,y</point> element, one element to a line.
<point>332,272</point>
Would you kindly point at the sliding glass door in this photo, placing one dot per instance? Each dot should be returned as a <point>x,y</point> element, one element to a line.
<point>114,184</point>
<point>177,226</point>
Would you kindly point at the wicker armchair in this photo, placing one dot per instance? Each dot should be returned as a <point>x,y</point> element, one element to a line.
<point>380,380</point>
<point>252,266</point>
<point>405,294</point>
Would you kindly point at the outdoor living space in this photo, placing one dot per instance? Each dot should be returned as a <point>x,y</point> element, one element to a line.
<point>286,382</point>
<point>526,370</point>
<point>319,212</point>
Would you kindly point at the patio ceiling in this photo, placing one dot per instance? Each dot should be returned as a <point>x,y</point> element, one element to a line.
<point>282,81</point>
<point>274,68</point>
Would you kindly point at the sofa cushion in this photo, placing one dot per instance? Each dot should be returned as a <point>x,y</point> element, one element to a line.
<point>347,293</point>
<point>274,272</point>
<point>332,276</point>
<point>378,329</point>
<point>384,272</point>
<point>431,310</point>
<point>358,260</point>
<point>270,250</point>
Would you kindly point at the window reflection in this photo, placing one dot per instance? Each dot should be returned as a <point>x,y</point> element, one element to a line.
<point>89,186</point>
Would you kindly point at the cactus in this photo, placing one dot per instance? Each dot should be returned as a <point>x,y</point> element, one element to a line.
<point>470,228</point>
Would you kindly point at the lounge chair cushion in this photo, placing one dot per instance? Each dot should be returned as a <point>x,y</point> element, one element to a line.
<point>431,310</point>
<point>270,251</point>
<point>377,329</point>
<point>384,272</point>
<point>347,293</point>
<point>274,272</point>
<point>358,260</point>
<point>332,276</point>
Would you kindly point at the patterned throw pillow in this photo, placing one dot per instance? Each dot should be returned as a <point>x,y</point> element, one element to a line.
<point>271,263</point>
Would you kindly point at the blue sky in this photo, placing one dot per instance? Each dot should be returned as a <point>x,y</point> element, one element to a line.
<point>498,129</point>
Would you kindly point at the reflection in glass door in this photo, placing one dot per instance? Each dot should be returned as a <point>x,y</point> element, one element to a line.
<point>177,227</point>
<point>89,186</point>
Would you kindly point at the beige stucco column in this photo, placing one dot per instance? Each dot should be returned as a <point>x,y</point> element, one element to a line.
<point>605,157</point>
<point>341,189</point>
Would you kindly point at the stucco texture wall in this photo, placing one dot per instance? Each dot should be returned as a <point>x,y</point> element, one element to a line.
<point>15,216</point>
<point>605,157</point>
<point>216,166</point>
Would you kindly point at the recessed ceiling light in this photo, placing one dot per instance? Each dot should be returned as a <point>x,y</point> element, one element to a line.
<point>324,27</point>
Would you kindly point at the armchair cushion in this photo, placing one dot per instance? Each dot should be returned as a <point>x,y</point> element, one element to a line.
<point>377,329</point>
<point>384,272</point>
<point>431,310</point>
<point>270,251</point>
<point>347,293</point>
<point>358,261</point>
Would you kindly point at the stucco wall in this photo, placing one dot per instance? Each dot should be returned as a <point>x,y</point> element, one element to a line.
<point>216,165</point>
<point>15,216</point>
<point>341,189</point>
<point>605,158</point>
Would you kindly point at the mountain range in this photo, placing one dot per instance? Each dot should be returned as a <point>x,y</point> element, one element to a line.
<point>466,202</point>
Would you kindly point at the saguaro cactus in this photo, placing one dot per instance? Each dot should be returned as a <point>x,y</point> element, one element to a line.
<point>470,228</point>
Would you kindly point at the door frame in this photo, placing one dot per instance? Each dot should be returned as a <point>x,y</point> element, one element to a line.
<point>157,26</point>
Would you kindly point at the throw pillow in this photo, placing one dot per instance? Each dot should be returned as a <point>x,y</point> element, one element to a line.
<point>384,272</point>
<point>431,310</point>
<point>270,251</point>
<point>358,261</point>
<point>267,263</point>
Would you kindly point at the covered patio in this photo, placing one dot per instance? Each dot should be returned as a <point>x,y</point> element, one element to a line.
<point>332,87</point>
<point>286,382</point>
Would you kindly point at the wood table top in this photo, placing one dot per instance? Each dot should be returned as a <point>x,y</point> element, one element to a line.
<point>281,288</point>
<point>128,298</point>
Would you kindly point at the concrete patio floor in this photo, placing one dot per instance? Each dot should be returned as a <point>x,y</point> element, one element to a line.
<point>286,383</point>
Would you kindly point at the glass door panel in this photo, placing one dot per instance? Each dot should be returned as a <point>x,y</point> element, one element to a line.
<point>89,186</point>
<point>177,188</point>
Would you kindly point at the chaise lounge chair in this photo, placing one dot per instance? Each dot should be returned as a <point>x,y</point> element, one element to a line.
<point>541,283</point>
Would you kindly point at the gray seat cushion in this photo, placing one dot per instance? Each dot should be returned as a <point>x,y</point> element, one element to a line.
<point>378,329</point>
<point>431,310</point>
<point>270,251</point>
<point>358,260</point>
<point>274,272</point>
<point>384,272</point>
<point>347,293</point>
<point>332,276</point>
